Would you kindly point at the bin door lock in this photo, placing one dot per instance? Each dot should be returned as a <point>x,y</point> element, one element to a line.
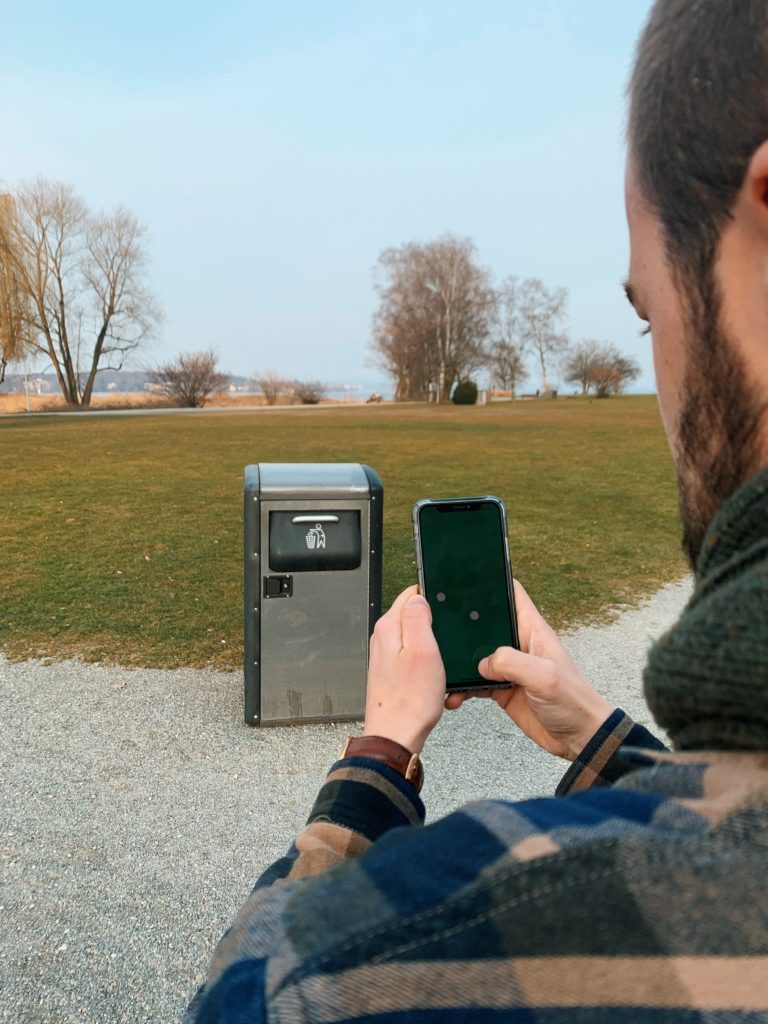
<point>278,586</point>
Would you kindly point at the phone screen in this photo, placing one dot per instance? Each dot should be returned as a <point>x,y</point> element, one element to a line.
<point>467,584</point>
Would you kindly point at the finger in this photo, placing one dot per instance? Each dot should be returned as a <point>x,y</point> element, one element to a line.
<point>521,594</point>
<point>416,621</point>
<point>454,700</point>
<point>389,625</point>
<point>503,697</point>
<point>527,614</point>
<point>403,598</point>
<point>506,664</point>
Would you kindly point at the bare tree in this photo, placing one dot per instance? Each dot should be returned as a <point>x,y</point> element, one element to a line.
<point>272,386</point>
<point>403,328</point>
<point>309,392</point>
<point>627,370</point>
<point>506,355</point>
<point>600,367</point>
<point>434,315</point>
<point>507,366</point>
<point>84,275</point>
<point>613,373</point>
<point>189,379</point>
<point>542,311</point>
<point>580,362</point>
<point>15,333</point>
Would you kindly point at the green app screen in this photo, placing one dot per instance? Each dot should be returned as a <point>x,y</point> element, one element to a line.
<point>465,583</point>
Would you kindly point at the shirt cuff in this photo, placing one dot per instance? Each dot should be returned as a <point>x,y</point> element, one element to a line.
<point>601,762</point>
<point>368,797</point>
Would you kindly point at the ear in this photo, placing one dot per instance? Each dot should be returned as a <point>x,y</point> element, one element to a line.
<point>754,192</point>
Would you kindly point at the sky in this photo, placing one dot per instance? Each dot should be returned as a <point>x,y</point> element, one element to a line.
<point>273,150</point>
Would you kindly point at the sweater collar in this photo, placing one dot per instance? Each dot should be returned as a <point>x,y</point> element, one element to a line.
<point>706,680</point>
<point>741,523</point>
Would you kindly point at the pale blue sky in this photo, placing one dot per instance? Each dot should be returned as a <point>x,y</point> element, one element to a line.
<point>273,150</point>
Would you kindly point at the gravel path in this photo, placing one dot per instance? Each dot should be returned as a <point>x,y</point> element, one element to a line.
<point>139,810</point>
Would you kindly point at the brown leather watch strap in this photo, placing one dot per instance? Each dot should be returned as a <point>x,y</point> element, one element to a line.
<point>393,754</point>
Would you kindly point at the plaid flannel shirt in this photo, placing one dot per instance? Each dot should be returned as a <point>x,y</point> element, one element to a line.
<point>638,894</point>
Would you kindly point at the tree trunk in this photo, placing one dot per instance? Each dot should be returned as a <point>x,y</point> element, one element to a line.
<point>55,363</point>
<point>95,364</point>
<point>72,391</point>
<point>444,353</point>
<point>49,349</point>
<point>544,380</point>
<point>72,394</point>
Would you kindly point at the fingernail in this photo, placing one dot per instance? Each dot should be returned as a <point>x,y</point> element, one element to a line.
<point>416,599</point>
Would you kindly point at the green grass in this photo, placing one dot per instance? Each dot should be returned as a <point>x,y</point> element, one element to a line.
<point>121,536</point>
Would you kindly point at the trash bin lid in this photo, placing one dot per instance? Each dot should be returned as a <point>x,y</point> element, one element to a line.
<point>293,480</point>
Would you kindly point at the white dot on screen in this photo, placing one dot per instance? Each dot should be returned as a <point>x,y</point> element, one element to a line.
<point>474,616</point>
<point>441,596</point>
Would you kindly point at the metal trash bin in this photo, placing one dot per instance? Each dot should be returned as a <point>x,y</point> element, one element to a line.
<point>312,538</point>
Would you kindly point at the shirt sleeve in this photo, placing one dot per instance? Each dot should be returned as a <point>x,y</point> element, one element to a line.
<point>602,762</point>
<point>360,801</point>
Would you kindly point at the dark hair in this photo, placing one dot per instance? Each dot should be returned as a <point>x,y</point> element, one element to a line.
<point>698,111</point>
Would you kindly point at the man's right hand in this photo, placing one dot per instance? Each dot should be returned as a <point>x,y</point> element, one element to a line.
<point>551,701</point>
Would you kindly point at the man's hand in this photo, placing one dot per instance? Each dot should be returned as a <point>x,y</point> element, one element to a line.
<point>551,700</point>
<point>406,678</point>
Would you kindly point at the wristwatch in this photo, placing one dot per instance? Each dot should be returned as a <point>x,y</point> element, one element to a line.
<point>393,754</point>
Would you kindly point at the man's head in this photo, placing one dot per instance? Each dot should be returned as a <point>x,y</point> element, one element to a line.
<point>697,204</point>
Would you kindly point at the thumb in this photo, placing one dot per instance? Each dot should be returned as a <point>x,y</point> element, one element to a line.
<point>416,619</point>
<point>508,665</point>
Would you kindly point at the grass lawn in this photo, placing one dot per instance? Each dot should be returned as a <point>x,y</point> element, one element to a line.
<point>122,538</point>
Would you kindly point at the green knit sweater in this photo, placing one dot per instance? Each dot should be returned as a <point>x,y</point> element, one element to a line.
<point>706,680</point>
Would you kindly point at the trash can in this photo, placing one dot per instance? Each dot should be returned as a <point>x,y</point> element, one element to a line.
<point>312,538</point>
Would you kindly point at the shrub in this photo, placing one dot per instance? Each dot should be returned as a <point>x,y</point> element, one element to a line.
<point>309,392</point>
<point>189,379</point>
<point>465,393</point>
<point>272,386</point>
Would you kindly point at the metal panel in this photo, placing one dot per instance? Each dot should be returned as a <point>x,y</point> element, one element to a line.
<point>314,645</point>
<point>376,544</point>
<point>252,595</point>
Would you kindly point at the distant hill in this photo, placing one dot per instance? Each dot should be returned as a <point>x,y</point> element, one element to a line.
<point>123,381</point>
<point>107,381</point>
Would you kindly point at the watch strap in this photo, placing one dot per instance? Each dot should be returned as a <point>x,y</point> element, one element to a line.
<point>390,753</point>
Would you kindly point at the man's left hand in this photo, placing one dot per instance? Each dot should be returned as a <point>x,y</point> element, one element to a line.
<point>406,678</point>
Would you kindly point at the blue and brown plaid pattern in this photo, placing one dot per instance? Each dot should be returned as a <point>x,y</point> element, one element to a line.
<point>604,759</point>
<point>643,900</point>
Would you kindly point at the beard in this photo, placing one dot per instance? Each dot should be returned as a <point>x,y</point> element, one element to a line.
<point>719,419</point>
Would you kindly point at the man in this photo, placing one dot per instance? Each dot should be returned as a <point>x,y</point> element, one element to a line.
<point>639,893</point>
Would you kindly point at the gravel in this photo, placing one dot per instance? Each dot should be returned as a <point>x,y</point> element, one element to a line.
<point>139,810</point>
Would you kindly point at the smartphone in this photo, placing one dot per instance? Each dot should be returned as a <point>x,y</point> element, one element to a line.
<point>462,558</point>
